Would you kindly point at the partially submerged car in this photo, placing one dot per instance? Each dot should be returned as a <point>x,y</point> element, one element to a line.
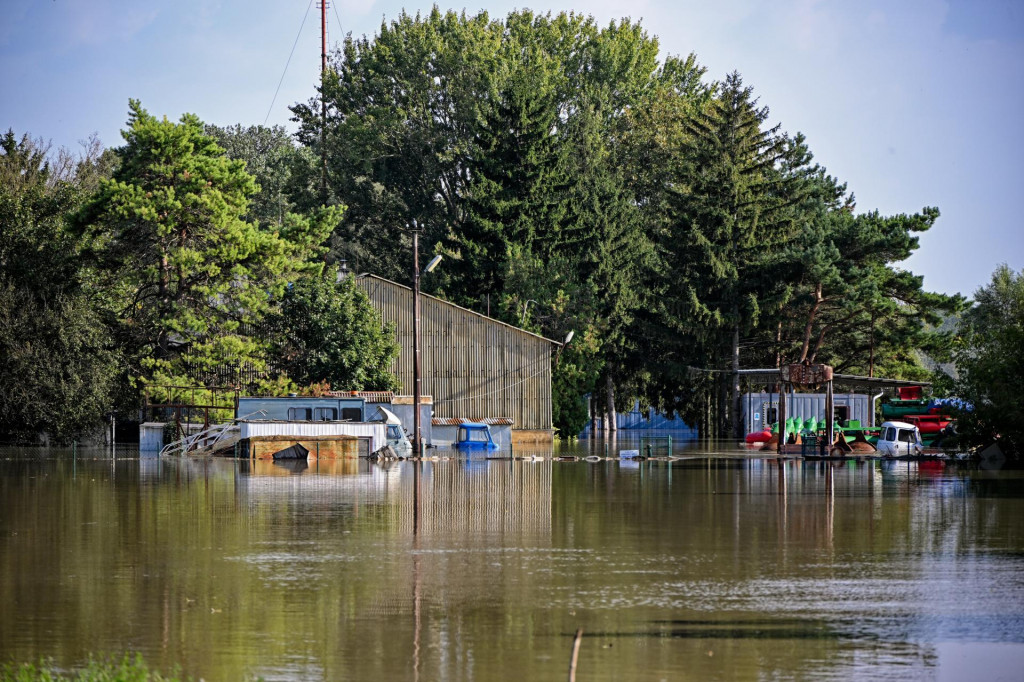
<point>899,439</point>
<point>396,436</point>
<point>475,436</point>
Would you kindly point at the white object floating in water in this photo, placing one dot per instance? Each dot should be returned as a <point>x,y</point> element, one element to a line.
<point>629,453</point>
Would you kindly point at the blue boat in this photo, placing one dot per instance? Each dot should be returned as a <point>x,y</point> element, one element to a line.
<point>475,436</point>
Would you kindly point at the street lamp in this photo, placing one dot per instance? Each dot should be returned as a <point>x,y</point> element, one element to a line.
<point>417,443</point>
<point>568,338</point>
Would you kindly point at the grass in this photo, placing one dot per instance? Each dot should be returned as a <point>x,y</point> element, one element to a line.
<point>127,669</point>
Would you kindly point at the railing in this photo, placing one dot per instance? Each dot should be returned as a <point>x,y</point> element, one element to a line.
<point>208,440</point>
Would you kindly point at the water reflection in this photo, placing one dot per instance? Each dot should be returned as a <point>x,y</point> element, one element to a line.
<point>726,567</point>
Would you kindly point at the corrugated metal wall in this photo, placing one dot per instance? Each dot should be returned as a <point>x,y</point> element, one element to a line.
<point>473,366</point>
<point>802,406</point>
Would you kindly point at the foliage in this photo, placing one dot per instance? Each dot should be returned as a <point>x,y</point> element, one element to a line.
<point>575,182</point>
<point>168,231</point>
<point>732,211</point>
<point>127,669</point>
<point>58,366</point>
<point>990,363</point>
<point>283,171</point>
<point>330,333</point>
<point>503,139</point>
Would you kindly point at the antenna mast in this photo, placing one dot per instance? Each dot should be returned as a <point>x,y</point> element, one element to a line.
<point>323,100</point>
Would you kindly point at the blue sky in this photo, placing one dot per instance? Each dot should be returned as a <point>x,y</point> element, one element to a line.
<point>913,102</point>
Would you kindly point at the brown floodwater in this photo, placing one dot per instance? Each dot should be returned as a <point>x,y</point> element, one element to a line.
<point>720,565</point>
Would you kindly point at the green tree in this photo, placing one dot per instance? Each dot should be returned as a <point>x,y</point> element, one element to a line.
<point>990,363</point>
<point>851,292</point>
<point>168,231</point>
<point>328,331</point>
<point>58,363</point>
<point>732,213</point>
<point>284,171</point>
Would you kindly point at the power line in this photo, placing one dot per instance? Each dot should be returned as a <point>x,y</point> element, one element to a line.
<point>341,29</point>
<point>304,16</point>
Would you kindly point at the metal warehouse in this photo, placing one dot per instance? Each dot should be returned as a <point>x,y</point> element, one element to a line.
<point>471,365</point>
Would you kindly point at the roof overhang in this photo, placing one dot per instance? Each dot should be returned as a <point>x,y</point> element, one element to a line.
<point>773,374</point>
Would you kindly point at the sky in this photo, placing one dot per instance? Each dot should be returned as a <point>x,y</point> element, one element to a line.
<point>912,103</point>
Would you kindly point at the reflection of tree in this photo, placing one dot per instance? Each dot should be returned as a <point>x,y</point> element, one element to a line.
<point>226,571</point>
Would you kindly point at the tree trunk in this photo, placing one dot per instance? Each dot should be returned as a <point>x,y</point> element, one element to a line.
<point>778,346</point>
<point>810,321</point>
<point>610,387</point>
<point>871,359</point>
<point>734,386</point>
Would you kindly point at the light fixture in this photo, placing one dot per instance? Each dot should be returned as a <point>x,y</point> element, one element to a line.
<point>433,263</point>
<point>568,337</point>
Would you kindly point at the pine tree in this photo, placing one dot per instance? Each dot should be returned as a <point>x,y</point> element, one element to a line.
<point>733,214</point>
<point>168,231</point>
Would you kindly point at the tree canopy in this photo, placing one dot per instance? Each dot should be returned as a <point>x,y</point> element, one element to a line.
<point>990,363</point>
<point>575,180</point>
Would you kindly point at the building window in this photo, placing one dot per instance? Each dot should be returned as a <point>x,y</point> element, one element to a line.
<point>841,413</point>
<point>351,414</point>
<point>325,414</point>
<point>300,414</point>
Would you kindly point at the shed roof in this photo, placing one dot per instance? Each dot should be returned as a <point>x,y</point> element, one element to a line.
<point>772,374</point>
<point>367,275</point>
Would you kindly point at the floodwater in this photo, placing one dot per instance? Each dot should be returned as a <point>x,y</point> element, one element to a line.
<point>717,566</point>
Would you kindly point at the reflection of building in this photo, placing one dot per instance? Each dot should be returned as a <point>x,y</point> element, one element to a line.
<point>459,496</point>
<point>479,496</point>
<point>473,366</point>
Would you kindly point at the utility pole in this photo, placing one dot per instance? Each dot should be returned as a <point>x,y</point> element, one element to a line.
<point>323,7</point>
<point>416,443</point>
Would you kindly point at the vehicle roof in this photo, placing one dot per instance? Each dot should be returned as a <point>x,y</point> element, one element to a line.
<point>474,425</point>
<point>899,425</point>
<point>389,416</point>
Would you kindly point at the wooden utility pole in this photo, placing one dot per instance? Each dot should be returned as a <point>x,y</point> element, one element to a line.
<point>417,446</point>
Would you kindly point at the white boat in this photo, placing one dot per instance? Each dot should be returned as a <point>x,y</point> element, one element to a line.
<point>899,439</point>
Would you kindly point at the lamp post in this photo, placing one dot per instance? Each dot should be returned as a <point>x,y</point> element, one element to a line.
<point>417,442</point>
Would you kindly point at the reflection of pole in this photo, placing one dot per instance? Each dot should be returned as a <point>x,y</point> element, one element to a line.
<point>416,443</point>
<point>416,499</point>
<point>782,419</point>
<point>830,432</point>
<point>830,500</point>
<point>416,615</point>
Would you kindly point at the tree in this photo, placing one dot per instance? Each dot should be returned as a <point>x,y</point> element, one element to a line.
<point>168,231</point>
<point>284,171</point>
<point>732,212</point>
<point>328,331</point>
<point>58,363</point>
<point>852,293</point>
<point>990,363</point>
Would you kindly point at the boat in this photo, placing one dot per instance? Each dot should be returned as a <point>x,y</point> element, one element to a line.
<point>475,436</point>
<point>755,437</point>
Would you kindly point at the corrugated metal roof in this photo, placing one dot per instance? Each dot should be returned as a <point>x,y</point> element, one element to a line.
<point>367,275</point>
<point>458,421</point>
<point>371,397</point>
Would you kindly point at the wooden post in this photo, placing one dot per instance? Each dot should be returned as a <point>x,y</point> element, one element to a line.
<point>416,443</point>
<point>575,654</point>
<point>830,435</point>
